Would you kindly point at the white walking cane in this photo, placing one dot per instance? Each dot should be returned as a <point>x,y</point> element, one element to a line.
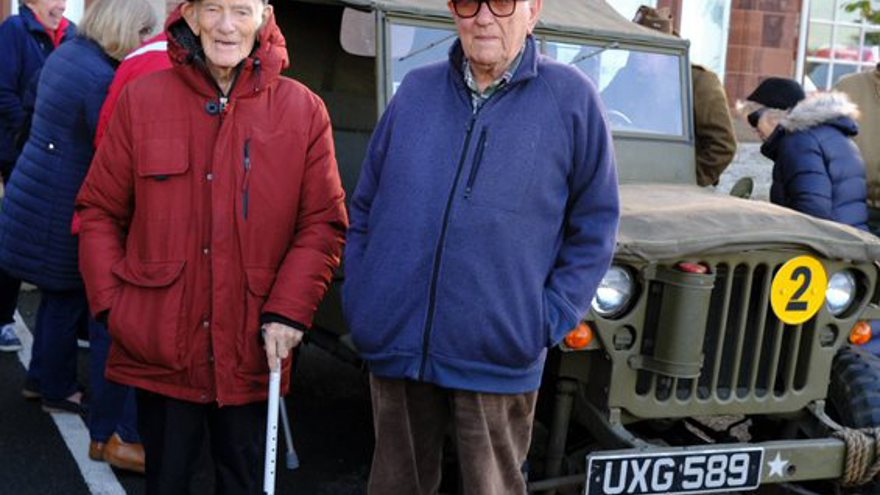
<point>272,431</point>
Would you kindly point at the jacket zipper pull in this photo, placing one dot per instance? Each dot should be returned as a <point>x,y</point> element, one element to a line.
<point>245,185</point>
<point>478,160</point>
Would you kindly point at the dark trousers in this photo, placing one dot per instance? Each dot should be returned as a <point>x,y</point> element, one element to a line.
<point>112,407</point>
<point>173,432</point>
<point>53,356</point>
<point>53,364</point>
<point>9,287</point>
<point>491,432</point>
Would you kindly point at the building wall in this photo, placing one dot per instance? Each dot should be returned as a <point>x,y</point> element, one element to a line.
<point>763,42</point>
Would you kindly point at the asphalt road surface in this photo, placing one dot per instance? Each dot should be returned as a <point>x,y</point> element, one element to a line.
<point>47,454</point>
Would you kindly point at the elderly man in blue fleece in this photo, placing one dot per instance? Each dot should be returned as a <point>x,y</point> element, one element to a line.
<point>483,221</point>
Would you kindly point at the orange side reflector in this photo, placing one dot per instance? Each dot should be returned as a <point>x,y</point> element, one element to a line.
<point>580,337</point>
<point>860,333</point>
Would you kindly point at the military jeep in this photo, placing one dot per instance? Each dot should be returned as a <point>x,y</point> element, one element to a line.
<point>717,355</point>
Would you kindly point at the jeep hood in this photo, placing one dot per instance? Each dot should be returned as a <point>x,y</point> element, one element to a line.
<point>668,222</point>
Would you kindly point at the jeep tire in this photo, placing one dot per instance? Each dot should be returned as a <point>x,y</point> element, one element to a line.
<point>854,395</point>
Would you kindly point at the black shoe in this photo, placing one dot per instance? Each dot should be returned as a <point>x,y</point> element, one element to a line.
<point>31,390</point>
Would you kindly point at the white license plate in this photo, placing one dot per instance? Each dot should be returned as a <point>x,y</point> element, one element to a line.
<point>693,471</point>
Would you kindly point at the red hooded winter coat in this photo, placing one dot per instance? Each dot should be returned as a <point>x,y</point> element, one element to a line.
<point>199,218</point>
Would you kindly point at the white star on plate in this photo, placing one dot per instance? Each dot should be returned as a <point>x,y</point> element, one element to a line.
<point>777,465</point>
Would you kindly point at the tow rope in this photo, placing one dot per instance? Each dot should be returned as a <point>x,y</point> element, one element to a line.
<point>862,455</point>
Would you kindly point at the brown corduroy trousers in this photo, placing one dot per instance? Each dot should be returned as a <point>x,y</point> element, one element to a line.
<point>491,432</point>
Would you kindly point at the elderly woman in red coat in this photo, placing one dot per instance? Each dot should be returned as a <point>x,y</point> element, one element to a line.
<point>213,210</point>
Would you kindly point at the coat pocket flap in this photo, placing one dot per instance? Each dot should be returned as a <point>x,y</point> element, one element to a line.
<point>152,274</point>
<point>260,280</point>
<point>161,158</point>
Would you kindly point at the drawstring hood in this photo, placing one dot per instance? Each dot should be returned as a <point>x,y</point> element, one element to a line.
<point>261,68</point>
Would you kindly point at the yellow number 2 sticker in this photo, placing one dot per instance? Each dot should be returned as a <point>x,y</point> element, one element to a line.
<point>798,290</point>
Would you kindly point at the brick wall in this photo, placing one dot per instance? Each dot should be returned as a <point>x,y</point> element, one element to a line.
<point>763,42</point>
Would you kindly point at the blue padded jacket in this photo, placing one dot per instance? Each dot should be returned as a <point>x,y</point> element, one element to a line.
<point>26,44</point>
<point>818,169</point>
<point>477,240</point>
<point>36,243</point>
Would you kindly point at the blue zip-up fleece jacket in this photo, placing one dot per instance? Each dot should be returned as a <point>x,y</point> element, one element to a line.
<point>818,169</point>
<point>477,240</point>
<point>36,243</point>
<point>25,45</point>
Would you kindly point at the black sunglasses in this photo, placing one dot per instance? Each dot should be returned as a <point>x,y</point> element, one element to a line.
<point>755,117</point>
<point>466,9</point>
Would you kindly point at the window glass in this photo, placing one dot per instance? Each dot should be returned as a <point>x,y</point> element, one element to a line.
<point>843,15</point>
<point>414,46</point>
<point>816,76</point>
<point>642,91</point>
<point>706,24</point>
<point>819,39</point>
<point>822,9</point>
<point>846,43</point>
<point>855,45</point>
<point>841,70</point>
<point>872,45</point>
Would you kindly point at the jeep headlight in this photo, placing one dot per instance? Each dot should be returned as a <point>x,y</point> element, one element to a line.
<point>614,292</point>
<point>841,292</point>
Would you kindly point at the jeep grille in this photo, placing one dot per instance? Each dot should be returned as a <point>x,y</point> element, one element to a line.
<point>752,362</point>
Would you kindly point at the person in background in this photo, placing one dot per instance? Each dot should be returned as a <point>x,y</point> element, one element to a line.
<point>27,39</point>
<point>213,215</point>
<point>863,89</point>
<point>151,56</point>
<point>817,168</point>
<point>645,95</point>
<point>36,239</point>
<point>713,127</point>
<point>482,223</point>
<point>123,449</point>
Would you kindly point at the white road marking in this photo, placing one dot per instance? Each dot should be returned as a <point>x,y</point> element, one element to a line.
<point>98,476</point>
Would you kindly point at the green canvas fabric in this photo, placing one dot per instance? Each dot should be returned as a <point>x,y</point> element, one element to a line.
<point>667,221</point>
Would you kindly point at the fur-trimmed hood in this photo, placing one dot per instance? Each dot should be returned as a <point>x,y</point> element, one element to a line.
<point>832,108</point>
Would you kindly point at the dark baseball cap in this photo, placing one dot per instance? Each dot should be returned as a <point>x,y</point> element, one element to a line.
<point>778,92</point>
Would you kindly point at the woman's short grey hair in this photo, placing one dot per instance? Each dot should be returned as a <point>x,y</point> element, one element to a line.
<point>745,107</point>
<point>116,25</point>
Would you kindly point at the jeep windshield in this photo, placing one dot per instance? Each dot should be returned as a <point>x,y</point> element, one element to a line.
<point>642,90</point>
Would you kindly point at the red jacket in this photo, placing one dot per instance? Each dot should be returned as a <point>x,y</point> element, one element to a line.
<point>151,56</point>
<point>198,219</point>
